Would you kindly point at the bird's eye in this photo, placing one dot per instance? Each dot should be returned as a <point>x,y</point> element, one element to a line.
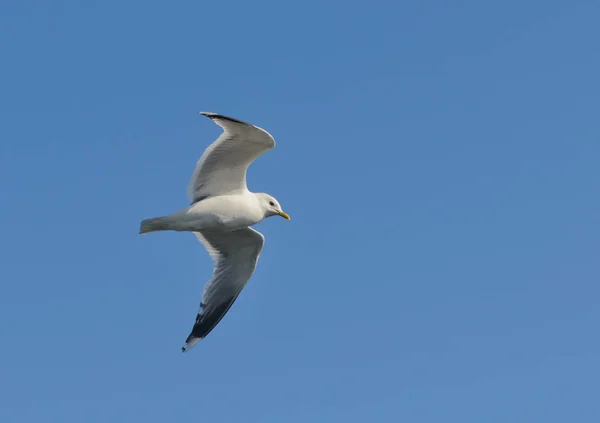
<point>271,203</point>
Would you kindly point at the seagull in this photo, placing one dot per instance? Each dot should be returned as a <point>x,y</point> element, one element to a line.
<point>221,214</point>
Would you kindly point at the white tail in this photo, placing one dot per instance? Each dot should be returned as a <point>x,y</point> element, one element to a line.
<point>153,225</point>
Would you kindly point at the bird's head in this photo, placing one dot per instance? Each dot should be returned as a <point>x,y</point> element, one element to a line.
<point>271,206</point>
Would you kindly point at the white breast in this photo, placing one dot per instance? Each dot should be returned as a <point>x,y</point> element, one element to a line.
<point>229,212</point>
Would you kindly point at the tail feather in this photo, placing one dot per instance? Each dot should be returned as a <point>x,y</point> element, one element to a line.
<point>153,225</point>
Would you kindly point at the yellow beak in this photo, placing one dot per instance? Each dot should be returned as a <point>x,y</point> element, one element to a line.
<point>283,214</point>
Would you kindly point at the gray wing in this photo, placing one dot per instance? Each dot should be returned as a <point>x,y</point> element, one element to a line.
<point>235,255</point>
<point>222,167</point>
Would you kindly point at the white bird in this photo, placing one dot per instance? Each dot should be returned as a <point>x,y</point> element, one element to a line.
<point>220,215</point>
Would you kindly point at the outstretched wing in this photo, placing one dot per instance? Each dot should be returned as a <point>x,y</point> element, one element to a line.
<point>235,255</point>
<point>222,167</point>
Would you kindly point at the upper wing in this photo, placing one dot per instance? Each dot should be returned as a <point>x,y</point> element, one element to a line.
<point>222,167</point>
<point>235,255</point>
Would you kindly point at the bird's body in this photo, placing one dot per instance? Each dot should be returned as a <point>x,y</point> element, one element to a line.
<point>221,213</point>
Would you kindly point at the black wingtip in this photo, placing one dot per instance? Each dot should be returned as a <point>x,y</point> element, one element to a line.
<point>213,116</point>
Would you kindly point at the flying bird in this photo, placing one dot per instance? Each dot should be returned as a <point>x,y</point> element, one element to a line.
<point>221,214</point>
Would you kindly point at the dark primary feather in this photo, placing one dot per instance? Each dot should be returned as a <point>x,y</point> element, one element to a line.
<point>218,116</point>
<point>206,321</point>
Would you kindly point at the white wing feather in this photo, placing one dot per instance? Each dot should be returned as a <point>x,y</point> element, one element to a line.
<point>222,168</point>
<point>235,255</point>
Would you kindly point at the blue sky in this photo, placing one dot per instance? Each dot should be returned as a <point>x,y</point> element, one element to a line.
<point>439,161</point>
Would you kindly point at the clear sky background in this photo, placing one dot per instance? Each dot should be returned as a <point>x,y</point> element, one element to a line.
<point>440,161</point>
